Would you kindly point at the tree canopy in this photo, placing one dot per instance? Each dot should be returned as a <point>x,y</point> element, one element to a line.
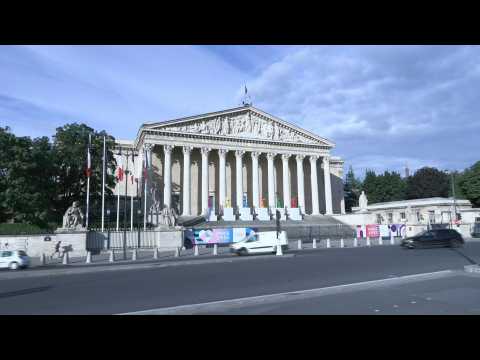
<point>39,179</point>
<point>428,182</point>
<point>469,184</point>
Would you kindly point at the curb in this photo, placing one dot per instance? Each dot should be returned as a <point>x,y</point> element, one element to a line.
<point>472,268</point>
<point>104,268</point>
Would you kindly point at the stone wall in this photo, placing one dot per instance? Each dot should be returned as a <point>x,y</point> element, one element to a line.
<point>35,245</point>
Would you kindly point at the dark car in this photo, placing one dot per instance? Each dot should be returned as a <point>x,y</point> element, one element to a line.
<point>434,238</point>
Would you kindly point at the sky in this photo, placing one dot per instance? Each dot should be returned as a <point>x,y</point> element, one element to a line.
<point>385,107</point>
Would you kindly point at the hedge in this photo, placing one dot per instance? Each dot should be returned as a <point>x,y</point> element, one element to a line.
<point>23,229</point>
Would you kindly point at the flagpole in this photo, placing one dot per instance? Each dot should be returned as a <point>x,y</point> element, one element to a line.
<point>131,194</point>
<point>145,194</point>
<point>88,177</point>
<point>103,184</point>
<point>120,177</point>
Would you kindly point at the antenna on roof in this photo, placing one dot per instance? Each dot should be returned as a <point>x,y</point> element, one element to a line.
<point>247,101</point>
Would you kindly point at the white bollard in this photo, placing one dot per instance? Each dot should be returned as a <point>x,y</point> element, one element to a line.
<point>380,240</point>
<point>299,244</point>
<point>43,259</point>
<point>155,253</point>
<point>177,252</point>
<point>134,255</point>
<point>342,244</point>
<point>314,244</point>
<point>112,256</point>
<point>279,251</point>
<point>89,258</point>
<point>355,242</point>
<point>65,258</point>
<point>215,249</point>
<point>196,251</point>
<point>368,241</point>
<point>328,243</point>
<point>392,239</point>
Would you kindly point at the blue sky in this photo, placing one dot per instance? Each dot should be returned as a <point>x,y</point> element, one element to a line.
<point>384,106</point>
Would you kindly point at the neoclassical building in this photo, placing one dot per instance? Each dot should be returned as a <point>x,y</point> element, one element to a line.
<point>235,164</point>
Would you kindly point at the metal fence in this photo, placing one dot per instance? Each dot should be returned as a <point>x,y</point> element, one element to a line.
<point>113,240</point>
<point>308,233</point>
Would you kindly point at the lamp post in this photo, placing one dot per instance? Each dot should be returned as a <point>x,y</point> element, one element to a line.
<point>454,197</point>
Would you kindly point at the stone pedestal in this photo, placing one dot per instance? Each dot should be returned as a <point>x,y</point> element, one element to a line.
<point>169,239</point>
<point>294,214</point>
<point>74,242</point>
<point>212,216</point>
<point>282,213</point>
<point>245,214</point>
<point>228,214</point>
<point>262,214</point>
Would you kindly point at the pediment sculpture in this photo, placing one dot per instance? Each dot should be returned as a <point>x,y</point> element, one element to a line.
<point>246,125</point>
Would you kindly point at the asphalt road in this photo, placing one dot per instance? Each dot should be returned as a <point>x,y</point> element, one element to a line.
<point>126,291</point>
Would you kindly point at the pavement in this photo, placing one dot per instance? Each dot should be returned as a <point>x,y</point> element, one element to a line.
<point>309,271</point>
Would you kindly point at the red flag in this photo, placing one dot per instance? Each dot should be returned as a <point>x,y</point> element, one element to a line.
<point>120,170</point>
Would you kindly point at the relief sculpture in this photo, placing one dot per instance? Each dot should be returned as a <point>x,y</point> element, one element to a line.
<point>244,125</point>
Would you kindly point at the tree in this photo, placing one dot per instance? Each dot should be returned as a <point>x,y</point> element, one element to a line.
<point>426,183</point>
<point>352,190</point>
<point>369,185</point>
<point>70,150</point>
<point>470,184</point>
<point>27,181</point>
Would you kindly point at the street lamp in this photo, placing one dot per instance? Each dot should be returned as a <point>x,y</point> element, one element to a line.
<point>125,211</point>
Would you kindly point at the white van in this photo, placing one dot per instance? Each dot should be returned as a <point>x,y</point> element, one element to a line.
<point>260,243</point>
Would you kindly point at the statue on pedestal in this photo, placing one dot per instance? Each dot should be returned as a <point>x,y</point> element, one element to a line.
<point>363,202</point>
<point>73,218</point>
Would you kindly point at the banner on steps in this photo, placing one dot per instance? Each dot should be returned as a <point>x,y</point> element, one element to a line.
<point>220,236</point>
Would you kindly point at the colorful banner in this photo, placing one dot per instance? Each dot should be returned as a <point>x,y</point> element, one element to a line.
<point>384,231</point>
<point>373,231</point>
<point>398,229</point>
<point>361,231</point>
<point>220,236</point>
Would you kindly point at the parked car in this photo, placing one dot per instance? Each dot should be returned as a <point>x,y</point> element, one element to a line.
<point>434,238</point>
<point>14,259</point>
<point>260,243</point>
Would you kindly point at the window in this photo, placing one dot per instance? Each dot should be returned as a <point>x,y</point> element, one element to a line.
<point>419,216</point>
<point>253,239</point>
<point>390,218</point>
<point>379,219</point>
<point>7,254</point>
<point>402,216</point>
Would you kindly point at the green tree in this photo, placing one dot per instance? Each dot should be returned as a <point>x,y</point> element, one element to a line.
<point>70,150</point>
<point>27,181</point>
<point>390,187</point>
<point>370,186</point>
<point>428,182</point>
<point>352,189</point>
<point>470,184</point>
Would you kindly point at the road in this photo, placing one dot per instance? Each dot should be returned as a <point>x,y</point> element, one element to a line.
<point>126,291</point>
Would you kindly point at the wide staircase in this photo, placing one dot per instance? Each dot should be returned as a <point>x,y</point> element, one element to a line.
<point>320,226</point>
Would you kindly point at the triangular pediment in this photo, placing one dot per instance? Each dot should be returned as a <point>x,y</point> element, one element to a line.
<point>245,122</point>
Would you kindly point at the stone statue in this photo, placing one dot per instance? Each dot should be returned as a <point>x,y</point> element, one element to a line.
<point>363,201</point>
<point>73,218</point>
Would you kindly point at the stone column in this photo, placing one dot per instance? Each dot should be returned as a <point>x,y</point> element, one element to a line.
<point>186,180</point>
<point>239,172</point>
<point>328,186</point>
<point>167,176</point>
<point>205,152</point>
<point>271,184</point>
<point>314,181</point>
<point>222,186</point>
<point>300,183</point>
<point>286,181</point>
<point>255,195</point>
<point>148,158</point>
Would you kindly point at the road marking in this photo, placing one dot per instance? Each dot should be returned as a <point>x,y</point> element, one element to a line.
<point>224,305</point>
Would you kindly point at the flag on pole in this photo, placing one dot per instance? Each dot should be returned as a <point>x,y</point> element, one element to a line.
<point>88,171</point>
<point>120,170</point>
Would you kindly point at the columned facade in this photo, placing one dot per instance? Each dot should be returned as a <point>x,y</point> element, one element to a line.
<point>244,153</point>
